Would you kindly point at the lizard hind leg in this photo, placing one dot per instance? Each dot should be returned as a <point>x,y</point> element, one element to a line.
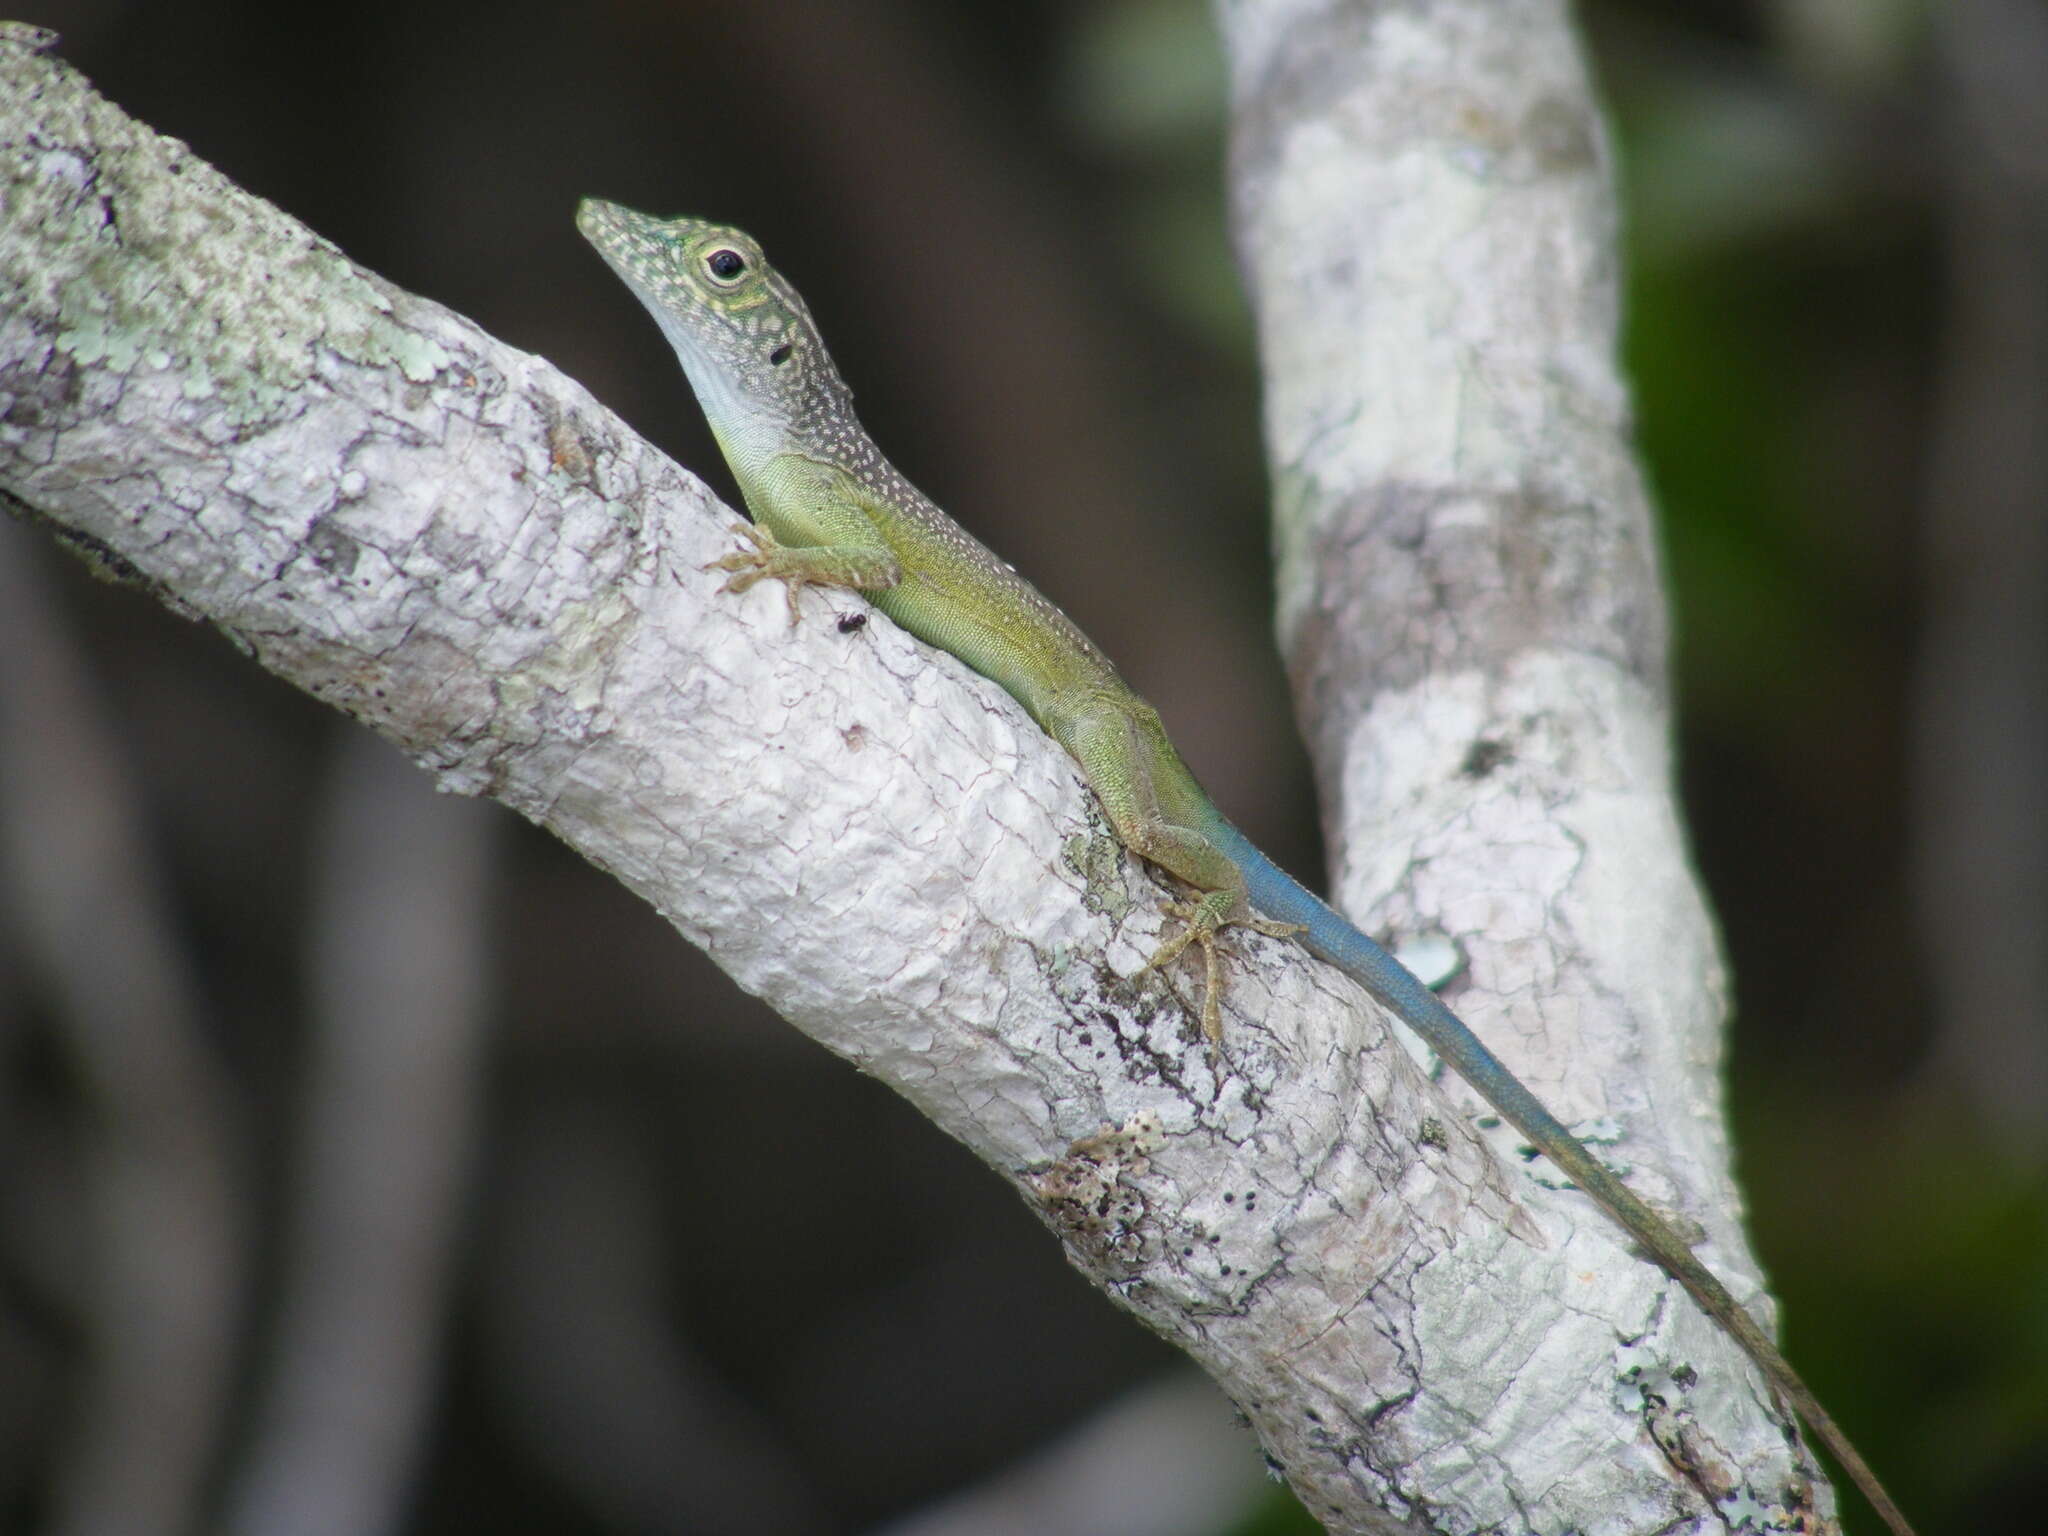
<point>1156,807</point>
<point>1201,920</point>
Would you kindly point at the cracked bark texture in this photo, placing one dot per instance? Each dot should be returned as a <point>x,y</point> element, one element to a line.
<point>454,544</point>
<point>1469,603</point>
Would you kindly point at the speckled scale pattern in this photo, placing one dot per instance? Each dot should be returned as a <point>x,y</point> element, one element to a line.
<point>956,593</point>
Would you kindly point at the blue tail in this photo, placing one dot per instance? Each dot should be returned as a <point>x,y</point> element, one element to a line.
<point>1281,897</point>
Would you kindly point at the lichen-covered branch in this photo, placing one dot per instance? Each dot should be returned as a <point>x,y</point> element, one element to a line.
<point>1469,595</point>
<point>445,538</point>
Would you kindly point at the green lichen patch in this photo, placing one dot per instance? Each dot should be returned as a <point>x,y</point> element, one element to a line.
<point>1098,859</point>
<point>133,254</point>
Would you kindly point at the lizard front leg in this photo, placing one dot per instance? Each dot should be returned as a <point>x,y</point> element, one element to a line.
<point>804,565</point>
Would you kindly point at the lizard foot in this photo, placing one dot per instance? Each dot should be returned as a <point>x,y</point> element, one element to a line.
<point>766,560</point>
<point>1202,920</point>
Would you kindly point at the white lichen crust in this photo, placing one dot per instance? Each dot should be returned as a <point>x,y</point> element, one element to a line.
<point>448,540</point>
<point>1475,629</point>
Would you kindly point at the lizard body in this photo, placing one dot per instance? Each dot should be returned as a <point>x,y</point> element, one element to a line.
<point>830,510</point>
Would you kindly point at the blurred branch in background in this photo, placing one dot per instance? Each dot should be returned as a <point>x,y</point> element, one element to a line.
<point>386,1134</point>
<point>599,1384</point>
<point>1981,684</point>
<point>159,1248</point>
<point>1170,1458</point>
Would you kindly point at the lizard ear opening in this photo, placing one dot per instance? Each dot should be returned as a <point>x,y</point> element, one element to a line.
<point>780,355</point>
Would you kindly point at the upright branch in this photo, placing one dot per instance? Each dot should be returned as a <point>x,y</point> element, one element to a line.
<point>446,539</point>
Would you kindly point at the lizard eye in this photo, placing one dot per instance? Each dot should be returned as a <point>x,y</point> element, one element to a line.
<point>725,265</point>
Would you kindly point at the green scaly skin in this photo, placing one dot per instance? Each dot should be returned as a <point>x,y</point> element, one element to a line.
<point>829,510</point>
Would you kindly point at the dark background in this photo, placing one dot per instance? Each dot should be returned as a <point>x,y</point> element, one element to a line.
<point>1008,219</point>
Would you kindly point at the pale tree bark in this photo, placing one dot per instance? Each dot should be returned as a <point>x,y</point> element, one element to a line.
<point>448,540</point>
<point>1470,603</point>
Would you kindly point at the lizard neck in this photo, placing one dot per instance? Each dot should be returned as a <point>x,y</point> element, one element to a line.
<point>749,429</point>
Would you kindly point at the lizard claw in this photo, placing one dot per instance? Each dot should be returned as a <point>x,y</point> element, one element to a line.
<point>1201,922</point>
<point>747,566</point>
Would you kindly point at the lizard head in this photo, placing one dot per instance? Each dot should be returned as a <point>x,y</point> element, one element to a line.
<point>744,337</point>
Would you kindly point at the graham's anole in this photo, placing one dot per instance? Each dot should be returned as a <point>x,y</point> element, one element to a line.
<point>829,510</point>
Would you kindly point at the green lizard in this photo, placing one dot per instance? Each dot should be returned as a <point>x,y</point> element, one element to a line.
<point>830,511</point>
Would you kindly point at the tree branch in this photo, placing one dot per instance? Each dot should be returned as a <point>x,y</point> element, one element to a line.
<point>1469,595</point>
<point>446,539</point>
